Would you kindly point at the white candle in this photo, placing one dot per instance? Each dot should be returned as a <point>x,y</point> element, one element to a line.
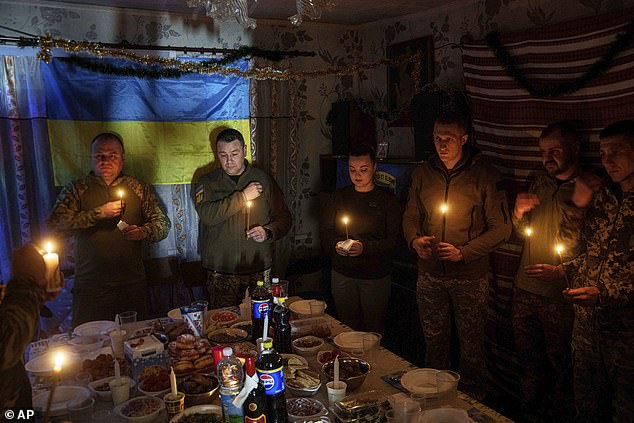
<point>443,210</point>
<point>529,232</point>
<point>336,372</point>
<point>345,222</point>
<point>51,261</point>
<point>173,382</point>
<point>117,371</point>
<point>560,250</point>
<point>249,204</point>
<point>59,360</point>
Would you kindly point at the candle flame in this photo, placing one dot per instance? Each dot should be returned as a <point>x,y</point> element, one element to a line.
<point>345,220</point>
<point>559,248</point>
<point>443,208</point>
<point>249,204</point>
<point>59,360</point>
<point>49,247</point>
<point>120,193</point>
<point>529,231</point>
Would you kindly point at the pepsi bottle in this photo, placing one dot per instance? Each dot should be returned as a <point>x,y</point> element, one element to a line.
<point>269,366</point>
<point>282,327</point>
<point>260,306</point>
<point>254,407</point>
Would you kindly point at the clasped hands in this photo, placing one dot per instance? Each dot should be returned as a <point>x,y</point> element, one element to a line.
<point>113,209</point>
<point>444,250</point>
<point>356,249</point>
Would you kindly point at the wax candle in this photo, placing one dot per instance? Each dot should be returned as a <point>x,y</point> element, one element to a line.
<point>443,210</point>
<point>560,249</point>
<point>336,372</point>
<point>57,370</point>
<point>51,260</point>
<point>345,222</point>
<point>117,371</point>
<point>173,382</point>
<point>249,204</point>
<point>529,232</point>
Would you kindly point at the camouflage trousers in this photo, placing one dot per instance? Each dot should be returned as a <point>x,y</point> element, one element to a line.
<point>228,290</point>
<point>543,332</point>
<point>603,374</point>
<point>469,301</point>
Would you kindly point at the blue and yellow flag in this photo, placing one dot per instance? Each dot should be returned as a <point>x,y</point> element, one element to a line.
<point>165,123</point>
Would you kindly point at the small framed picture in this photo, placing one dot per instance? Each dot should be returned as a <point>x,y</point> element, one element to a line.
<point>381,150</point>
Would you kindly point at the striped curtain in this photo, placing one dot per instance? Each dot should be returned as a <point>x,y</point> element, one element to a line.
<point>508,120</point>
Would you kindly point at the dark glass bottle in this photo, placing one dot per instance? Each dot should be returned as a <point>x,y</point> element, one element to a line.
<point>282,327</point>
<point>254,406</point>
<point>270,369</point>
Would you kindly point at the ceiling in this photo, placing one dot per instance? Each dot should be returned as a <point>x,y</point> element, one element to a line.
<point>350,12</point>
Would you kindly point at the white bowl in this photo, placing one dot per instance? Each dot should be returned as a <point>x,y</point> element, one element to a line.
<point>102,327</point>
<point>198,409</point>
<point>106,395</point>
<point>86,344</point>
<point>63,395</point>
<point>307,351</point>
<point>42,365</point>
<point>157,405</point>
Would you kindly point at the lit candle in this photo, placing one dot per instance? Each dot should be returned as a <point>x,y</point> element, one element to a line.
<point>345,222</point>
<point>173,382</point>
<point>443,210</point>
<point>57,370</point>
<point>51,260</point>
<point>529,232</point>
<point>249,204</point>
<point>560,249</point>
<point>120,192</point>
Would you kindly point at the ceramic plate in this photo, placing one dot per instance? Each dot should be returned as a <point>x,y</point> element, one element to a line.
<point>91,328</point>
<point>63,394</point>
<point>420,381</point>
<point>198,409</point>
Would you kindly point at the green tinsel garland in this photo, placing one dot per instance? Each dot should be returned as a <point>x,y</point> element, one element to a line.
<point>600,67</point>
<point>147,72</point>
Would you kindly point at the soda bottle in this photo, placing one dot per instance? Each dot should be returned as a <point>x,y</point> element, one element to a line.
<point>230,376</point>
<point>282,327</point>
<point>270,369</point>
<point>254,406</point>
<point>260,306</point>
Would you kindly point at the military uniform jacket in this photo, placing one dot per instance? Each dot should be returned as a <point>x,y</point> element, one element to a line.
<point>102,255</point>
<point>545,222</point>
<point>607,258</point>
<point>222,209</point>
<point>477,220</point>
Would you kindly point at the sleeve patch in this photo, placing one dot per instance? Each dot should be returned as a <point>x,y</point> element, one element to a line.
<point>200,194</point>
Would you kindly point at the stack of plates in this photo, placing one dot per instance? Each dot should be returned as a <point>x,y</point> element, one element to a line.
<point>63,395</point>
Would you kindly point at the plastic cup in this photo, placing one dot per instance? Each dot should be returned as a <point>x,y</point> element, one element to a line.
<point>407,411</point>
<point>447,383</point>
<point>116,340</point>
<point>174,403</point>
<point>80,411</point>
<point>260,343</point>
<point>83,378</point>
<point>336,393</point>
<point>283,288</point>
<point>316,307</point>
<point>128,317</point>
<point>120,392</point>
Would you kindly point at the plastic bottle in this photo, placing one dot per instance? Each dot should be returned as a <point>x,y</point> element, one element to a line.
<point>230,376</point>
<point>276,290</point>
<point>260,306</point>
<point>254,407</point>
<point>282,328</point>
<point>270,369</point>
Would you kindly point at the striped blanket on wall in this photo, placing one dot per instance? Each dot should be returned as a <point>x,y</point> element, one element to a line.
<point>508,120</point>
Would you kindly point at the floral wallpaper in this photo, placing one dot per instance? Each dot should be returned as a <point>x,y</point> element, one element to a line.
<point>335,45</point>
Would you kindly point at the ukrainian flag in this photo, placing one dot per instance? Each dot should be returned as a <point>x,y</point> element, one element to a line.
<point>165,123</point>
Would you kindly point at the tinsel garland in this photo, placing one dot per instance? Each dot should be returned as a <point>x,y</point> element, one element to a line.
<point>160,67</point>
<point>600,67</point>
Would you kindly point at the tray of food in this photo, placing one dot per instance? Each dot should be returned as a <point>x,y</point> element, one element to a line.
<point>189,354</point>
<point>367,407</point>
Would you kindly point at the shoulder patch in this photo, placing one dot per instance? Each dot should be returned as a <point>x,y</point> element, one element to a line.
<point>200,194</point>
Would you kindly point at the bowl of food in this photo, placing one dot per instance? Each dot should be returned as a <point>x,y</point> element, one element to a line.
<point>223,318</point>
<point>245,325</point>
<point>154,381</point>
<point>352,370</point>
<point>298,378</point>
<point>140,409</point>
<point>326,355</point>
<point>305,409</point>
<point>199,414</point>
<point>198,388</point>
<point>307,345</point>
<point>227,336</point>
<point>101,388</point>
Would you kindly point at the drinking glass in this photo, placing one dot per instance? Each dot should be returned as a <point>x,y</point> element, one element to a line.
<point>447,383</point>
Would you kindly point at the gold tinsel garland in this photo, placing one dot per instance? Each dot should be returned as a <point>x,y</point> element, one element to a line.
<point>47,43</point>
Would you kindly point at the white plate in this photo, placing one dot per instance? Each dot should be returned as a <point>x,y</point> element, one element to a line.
<point>175,314</point>
<point>302,307</point>
<point>357,341</point>
<point>42,365</point>
<point>420,381</point>
<point>201,409</point>
<point>98,326</point>
<point>63,394</point>
<point>299,357</point>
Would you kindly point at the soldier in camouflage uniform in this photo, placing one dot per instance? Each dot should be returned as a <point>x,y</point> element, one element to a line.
<point>542,319</point>
<point>453,245</point>
<point>109,272</point>
<point>19,314</point>
<point>603,293</point>
<point>237,256</point>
